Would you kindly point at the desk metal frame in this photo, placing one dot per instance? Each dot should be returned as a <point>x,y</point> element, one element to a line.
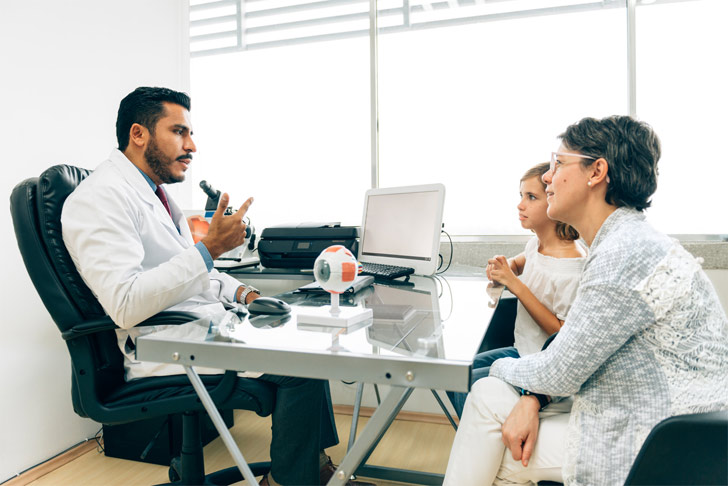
<point>401,373</point>
<point>389,473</point>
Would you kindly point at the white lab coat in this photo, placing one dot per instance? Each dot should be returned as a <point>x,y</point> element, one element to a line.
<point>133,258</point>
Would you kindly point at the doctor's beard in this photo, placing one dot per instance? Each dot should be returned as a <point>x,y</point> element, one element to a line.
<point>159,162</point>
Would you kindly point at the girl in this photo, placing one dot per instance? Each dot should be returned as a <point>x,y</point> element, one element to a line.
<point>549,270</point>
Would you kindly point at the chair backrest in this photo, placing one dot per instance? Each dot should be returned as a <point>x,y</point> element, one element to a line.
<point>36,205</point>
<point>685,449</point>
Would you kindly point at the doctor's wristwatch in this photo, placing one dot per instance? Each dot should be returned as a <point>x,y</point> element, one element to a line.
<point>244,295</point>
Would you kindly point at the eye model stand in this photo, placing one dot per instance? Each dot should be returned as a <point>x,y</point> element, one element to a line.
<point>335,316</point>
<point>335,270</point>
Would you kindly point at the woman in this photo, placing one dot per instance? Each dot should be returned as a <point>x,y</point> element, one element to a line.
<point>646,337</point>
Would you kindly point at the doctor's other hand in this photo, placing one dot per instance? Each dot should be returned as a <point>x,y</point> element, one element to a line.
<point>198,227</point>
<point>226,231</point>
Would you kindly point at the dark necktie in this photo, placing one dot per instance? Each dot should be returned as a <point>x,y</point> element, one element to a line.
<point>163,197</point>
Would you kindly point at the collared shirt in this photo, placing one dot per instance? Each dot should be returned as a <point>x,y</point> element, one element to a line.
<point>200,246</point>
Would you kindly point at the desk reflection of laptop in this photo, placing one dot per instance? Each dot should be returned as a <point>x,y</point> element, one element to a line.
<point>406,321</point>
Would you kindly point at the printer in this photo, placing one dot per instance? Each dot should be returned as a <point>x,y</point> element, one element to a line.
<point>297,246</point>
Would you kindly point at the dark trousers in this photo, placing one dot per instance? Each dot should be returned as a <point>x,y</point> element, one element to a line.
<point>481,369</point>
<point>303,425</point>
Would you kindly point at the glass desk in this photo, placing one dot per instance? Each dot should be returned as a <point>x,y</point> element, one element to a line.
<point>423,334</point>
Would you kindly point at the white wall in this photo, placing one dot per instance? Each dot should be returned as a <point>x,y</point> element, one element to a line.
<point>719,278</point>
<point>65,66</point>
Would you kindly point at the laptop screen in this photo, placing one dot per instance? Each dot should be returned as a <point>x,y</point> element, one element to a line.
<point>401,226</point>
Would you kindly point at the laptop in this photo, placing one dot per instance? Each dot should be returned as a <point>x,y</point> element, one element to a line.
<point>401,226</point>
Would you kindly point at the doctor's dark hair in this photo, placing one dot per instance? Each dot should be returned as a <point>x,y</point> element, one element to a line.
<point>631,149</point>
<point>563,231</point>
<point>145,106</point>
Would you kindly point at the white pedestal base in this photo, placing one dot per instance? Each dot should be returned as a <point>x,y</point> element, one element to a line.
<point>322,316</point>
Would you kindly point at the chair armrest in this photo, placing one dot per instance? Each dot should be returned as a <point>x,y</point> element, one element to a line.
<point>89,327</point>
<point>169,318</point>
<point>224,388</point>
<point>116,403</point>
<point>106,324</point>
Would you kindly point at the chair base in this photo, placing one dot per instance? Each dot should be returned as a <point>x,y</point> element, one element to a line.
<point>157,440</point>
<point>222,477</point>
<point>189,467</point>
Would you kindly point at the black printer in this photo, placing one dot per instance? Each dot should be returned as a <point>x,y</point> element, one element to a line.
<point>290,246</point>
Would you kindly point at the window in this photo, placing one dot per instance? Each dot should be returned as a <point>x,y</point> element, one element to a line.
<point>471,94</point>
<point>475,105</point>
<point>287,125</point>
<point>682,91</point>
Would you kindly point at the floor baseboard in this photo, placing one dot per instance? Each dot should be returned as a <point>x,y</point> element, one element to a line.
<point>51,464</point>
<point>428,418</point>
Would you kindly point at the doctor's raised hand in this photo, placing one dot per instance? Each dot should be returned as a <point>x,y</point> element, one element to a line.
<point>226,231</point>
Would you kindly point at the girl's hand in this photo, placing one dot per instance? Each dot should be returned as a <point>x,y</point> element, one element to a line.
<point>499,271</point>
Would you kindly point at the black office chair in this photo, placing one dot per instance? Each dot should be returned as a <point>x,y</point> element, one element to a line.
<point>685,449</point>
<point>500,331</point>
<point>98,388</point>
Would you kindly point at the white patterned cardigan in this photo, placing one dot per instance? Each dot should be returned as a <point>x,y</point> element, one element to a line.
<point>646,338</point>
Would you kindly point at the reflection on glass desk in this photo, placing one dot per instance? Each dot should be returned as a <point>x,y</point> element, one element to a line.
<point>422,335</point>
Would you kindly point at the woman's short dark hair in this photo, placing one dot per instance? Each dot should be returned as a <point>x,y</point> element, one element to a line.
<point>145,106</point>
<point>563,231</point>
<point>631,149</point>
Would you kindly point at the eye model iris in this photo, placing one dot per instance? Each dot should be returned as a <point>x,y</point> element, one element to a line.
<point>322,271</point>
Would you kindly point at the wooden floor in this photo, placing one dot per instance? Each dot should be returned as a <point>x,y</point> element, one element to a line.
<point>409,445</point>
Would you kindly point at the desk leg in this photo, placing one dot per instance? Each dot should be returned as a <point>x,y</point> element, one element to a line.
<point>222,429</point>
<point>355,415</point>
<point>371,435</point>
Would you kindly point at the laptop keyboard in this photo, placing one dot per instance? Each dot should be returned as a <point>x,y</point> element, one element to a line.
<point>378,270</point>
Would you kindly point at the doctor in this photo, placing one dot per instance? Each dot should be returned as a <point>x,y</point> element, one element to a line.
<point>132,246</point>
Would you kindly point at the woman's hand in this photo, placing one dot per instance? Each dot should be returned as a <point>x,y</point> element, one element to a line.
<point>500,271</point>
<point>520,430</point>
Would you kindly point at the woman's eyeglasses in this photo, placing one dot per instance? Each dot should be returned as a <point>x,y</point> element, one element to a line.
<point>556,164</point>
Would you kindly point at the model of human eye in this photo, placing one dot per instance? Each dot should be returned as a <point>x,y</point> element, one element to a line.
<point>335,269</point>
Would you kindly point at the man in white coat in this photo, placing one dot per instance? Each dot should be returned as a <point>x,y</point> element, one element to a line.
<point>133,247</point>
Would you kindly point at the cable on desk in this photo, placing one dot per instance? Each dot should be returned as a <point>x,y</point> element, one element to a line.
<point>98,438</point>
<point>442,259</point>
<point>50,458</point>
<point>443,281</point>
